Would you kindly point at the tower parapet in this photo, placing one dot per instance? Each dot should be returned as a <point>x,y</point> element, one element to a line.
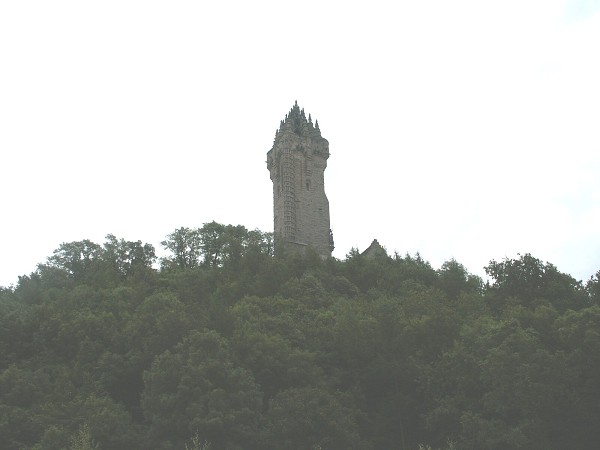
<point>296,163</point>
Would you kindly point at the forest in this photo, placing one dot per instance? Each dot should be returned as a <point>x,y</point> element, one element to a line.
<point>231,343</point>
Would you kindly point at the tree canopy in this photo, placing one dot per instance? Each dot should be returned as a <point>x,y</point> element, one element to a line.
<point>223,344</point>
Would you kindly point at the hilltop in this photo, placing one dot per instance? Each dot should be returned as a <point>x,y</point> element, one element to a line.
<point>231,343</point>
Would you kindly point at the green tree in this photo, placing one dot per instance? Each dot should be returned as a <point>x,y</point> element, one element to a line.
<point>72,262</point>
<point>530,282</point>
<point>593,288</point>
<point>198,388</point>
<point>275,362</point>
<point>185,244</point>
<point>579,341</point>
<point>82,440</point>
<point>157,324</point>
<point>311,418</point>
<point>212,242</point>
<point>87,262</point>
<point>127,258</point>
<point>454,279</point>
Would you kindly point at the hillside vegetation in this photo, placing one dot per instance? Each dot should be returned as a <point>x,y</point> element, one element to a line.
<point>228,346</point>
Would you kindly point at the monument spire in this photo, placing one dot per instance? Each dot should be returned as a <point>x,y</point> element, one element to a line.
<point>296,163</point>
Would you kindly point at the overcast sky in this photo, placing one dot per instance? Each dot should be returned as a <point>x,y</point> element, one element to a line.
<point>462,129</point>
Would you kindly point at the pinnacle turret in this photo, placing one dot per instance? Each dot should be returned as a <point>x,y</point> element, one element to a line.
<point>296,121</point>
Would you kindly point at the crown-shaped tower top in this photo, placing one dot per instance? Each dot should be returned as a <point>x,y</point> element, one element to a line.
<point>296,122</point>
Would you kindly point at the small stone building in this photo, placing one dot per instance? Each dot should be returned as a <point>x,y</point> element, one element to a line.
<point>374,250</point>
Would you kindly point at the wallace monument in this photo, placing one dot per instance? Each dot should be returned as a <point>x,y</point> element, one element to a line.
<point>297,164</point>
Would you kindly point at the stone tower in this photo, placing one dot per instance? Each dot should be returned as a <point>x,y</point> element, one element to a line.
<point>297,164</point>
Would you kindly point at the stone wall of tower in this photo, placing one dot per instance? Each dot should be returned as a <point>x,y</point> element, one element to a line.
<point>297,164</point>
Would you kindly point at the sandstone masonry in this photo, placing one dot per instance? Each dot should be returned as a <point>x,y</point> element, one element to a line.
<point>297,164</point>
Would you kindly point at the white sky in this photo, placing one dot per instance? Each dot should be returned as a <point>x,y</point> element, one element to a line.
<point>464,129</point>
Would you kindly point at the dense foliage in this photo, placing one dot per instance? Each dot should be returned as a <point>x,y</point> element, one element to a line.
<point>227,346</point>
